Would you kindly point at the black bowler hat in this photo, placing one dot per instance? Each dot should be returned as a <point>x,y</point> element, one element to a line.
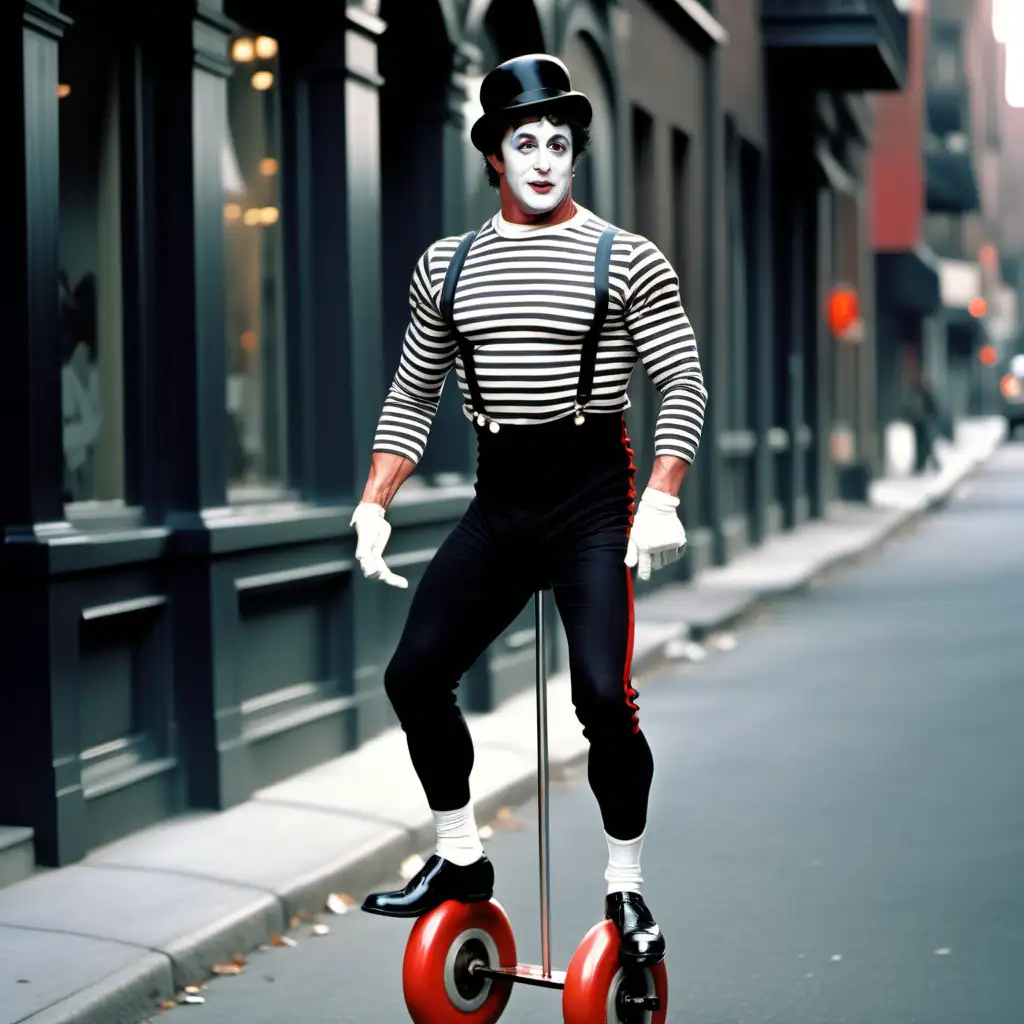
<point>524,85</point>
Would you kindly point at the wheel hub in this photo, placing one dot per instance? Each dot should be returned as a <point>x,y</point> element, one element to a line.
<point>634,997</point>
<point>467,988</point>
<point>471,955</point>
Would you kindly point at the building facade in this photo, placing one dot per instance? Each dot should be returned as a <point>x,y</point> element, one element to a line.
<point>943,228</point>
<point>227,198</point>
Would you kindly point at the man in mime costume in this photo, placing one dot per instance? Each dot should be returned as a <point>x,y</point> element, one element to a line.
<point>543,313</point>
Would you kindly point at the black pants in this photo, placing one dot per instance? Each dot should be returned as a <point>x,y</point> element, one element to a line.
<point>553,507</point>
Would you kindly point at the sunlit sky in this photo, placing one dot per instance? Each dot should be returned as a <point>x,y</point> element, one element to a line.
<point>1008,23</point>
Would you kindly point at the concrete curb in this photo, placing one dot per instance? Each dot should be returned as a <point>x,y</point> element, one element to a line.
<point>128,996</point>
<point>131,995</point>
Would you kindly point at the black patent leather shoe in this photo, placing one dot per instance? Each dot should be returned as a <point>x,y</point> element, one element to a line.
<point>437,881</point>
<point>641,943</point>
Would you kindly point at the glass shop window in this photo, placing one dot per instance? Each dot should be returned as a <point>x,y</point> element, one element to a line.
<point>90,265</point>
<point>254,308</point>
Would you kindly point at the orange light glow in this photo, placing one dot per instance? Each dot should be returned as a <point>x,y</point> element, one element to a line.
<point>266,47</point>
<point>63,91</point>
<point>268,167</point>
<point>843,309</point>
<point>988,356</point>
<point>977,307</point>
<point>988,255</point>
<point>262,80</point>
<point>247,340</point>
<point>1010,386</point>
<point>242,51</point>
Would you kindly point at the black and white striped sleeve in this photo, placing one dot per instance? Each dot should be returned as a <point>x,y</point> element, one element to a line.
<point>666,344</point>
<point>428,354</point>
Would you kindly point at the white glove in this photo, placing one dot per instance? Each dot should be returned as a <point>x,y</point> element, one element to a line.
<point>658,536</point>
<point>373,532</point>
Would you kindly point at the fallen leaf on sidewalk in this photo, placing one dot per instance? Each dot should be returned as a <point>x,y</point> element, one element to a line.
<point>282,940</point>
<point>412,865</point>
<point>225,969</point>
<point>340,903</point>
<point>193,989</point>
<point>167,1004</point>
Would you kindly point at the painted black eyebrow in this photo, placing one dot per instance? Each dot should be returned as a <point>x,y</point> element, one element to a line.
<point>519,136</point>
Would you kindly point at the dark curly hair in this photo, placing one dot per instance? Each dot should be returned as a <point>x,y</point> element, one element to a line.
<point>492,142</point>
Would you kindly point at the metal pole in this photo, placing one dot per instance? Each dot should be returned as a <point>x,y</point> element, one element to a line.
<point>542,789</point>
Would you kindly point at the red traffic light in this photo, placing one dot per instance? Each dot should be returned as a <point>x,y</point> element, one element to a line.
<point>843,309</point>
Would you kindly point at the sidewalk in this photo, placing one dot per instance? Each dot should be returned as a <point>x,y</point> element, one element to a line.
<point>108,940</point>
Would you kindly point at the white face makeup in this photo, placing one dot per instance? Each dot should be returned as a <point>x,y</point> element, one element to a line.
<point>538,164</point>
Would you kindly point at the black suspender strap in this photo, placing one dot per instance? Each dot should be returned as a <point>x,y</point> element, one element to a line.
<point>451,280</point>
<point>588,353</point>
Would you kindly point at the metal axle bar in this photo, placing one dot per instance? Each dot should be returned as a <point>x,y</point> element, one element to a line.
<point>542,788</point>
<point>524,974</point>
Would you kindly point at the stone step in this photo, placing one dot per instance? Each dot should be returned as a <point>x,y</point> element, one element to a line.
<point>17,854</point>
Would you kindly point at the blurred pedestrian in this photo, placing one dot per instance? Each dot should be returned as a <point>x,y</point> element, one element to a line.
<point>928,421</point>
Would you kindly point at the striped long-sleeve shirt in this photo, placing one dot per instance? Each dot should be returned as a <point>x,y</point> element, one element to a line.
<point>525,301</point>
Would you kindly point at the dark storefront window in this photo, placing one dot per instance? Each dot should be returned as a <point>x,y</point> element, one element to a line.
<point>250,169</point>
<point>90,288</point>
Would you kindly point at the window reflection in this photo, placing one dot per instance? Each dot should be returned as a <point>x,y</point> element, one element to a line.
<point>90,292</point>
<point>250,172</point>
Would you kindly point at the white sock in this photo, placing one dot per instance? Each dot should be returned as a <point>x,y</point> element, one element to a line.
<point>458,840</point>
<point>623,872</point>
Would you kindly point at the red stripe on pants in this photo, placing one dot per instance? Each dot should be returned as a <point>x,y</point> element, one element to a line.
<point>627,671</point>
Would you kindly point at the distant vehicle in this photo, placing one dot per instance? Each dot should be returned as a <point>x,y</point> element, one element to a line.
<point>1011,393</point>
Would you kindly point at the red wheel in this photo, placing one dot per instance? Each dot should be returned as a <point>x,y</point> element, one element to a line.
<point>439,986</point>
<point>596,984</point>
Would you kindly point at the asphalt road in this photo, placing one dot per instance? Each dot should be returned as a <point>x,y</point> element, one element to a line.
<point>837,831</point>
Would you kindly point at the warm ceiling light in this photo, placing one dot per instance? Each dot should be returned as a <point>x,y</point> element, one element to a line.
<point>242,51</point>
<point>269,215</point>
<point>268,167</point>
<point>232,211</point>
<point>987,355</point>
<point>262,80</point>
<point>252,216</point>
<point>63,91</point>
<point>977,307</point>
<point>266,47</point>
